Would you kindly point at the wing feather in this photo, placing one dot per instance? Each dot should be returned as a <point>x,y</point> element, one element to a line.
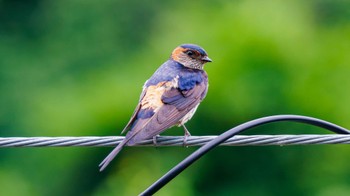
<point>137,109</point>
<point>176,105</point>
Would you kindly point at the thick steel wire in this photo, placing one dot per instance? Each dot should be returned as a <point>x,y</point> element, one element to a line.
<point>239,140</point>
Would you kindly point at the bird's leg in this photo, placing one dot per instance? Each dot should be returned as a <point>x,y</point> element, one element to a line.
<point>155,140</point>
<point>187,134</point>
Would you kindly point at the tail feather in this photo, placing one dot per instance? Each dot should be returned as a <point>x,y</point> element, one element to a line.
<point>128,140</point>
<point>112,155</point>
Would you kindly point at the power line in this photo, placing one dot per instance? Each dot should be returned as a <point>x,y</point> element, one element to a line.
<point>239,140</point>
<point>180,167</point>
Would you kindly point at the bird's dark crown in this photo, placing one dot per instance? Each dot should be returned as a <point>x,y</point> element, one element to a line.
<point>194,47</point>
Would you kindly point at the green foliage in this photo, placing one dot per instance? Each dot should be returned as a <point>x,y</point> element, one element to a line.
<point>77,67</point>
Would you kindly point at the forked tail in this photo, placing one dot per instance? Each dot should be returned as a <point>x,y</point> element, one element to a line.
<point>111,155</point>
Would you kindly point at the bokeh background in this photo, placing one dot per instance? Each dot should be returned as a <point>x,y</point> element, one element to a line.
<point>76,68</point>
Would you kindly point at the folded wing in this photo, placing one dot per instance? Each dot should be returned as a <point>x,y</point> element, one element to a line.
<point>175,104</point>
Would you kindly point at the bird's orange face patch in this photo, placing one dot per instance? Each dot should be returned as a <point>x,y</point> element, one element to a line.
<point>177,53</point>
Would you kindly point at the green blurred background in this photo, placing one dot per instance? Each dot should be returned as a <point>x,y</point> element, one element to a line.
<point>76,68</point>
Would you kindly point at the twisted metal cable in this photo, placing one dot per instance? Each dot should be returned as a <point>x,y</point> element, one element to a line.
<point>239,140</point>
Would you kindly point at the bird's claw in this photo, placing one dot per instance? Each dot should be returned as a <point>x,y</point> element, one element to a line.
<point>187,134</point>
<point>155,140</point>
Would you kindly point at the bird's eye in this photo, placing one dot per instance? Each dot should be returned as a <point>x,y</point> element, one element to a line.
<point>190,53</point>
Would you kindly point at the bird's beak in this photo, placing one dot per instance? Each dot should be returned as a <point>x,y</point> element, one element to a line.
<point>206,59</point>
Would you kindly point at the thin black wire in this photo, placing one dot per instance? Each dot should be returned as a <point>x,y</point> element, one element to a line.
<point>230,133</point>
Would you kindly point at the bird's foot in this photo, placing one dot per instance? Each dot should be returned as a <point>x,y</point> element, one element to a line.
<point>155,140</point>
<point>187,134</point>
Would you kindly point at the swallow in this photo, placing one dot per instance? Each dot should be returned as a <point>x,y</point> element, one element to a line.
<point>169,98</point>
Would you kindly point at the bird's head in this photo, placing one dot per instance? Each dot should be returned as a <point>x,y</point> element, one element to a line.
<point>191,56</point>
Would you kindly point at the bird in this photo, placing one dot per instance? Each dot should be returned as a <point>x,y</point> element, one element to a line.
<point>170,97</point>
